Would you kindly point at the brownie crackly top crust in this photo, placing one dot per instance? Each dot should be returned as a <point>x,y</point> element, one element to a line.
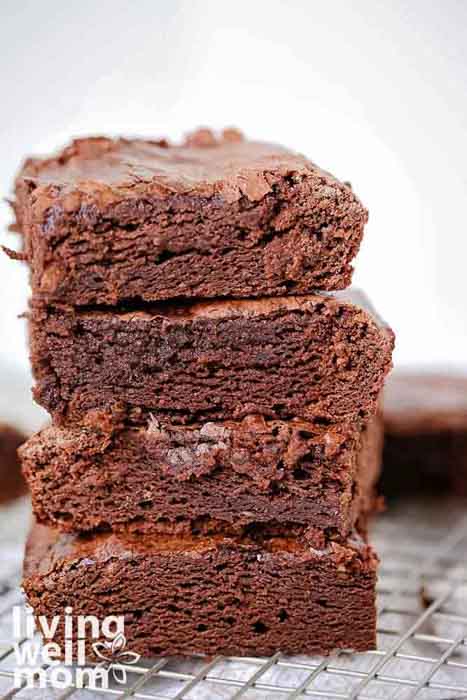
<point>110,220</point>
<point>425,402</point>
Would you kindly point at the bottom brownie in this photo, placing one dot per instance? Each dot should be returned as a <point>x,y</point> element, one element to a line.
<point>215,595</point>
<point>425,442</point>
<point>12,483</point>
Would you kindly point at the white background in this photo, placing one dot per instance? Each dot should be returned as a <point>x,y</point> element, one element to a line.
<point>373,91</point>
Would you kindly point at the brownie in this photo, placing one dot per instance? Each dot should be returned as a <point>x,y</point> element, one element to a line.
<point>318,358</point>
<point>12,483</point>
<point>106,220</point>
<point>209,595</point>
<point>184,479</point>
<point>425,423</point>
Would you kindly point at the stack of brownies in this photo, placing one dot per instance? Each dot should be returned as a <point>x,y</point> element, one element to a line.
<point>211,462</point>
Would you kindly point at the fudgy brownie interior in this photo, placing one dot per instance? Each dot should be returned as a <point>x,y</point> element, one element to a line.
<point>317,358</point>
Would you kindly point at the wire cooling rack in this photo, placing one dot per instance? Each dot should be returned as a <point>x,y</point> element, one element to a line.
<point>422,631</point>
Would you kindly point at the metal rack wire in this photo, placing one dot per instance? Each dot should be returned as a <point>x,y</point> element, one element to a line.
<point>422,632</point>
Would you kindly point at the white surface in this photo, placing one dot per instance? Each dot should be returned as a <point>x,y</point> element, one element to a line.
<point>372,91</point>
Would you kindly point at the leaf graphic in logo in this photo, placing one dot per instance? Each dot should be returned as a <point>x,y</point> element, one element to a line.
<point>103,650</point>
<point>129,657</point>
<point>118,644</point>
<point>114,652</point>
<point>119,674</point>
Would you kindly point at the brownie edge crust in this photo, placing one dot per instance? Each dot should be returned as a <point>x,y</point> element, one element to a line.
<point>212,595</point>
<point>111,220</point>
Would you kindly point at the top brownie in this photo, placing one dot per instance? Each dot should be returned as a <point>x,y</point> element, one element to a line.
<point>110,220</point>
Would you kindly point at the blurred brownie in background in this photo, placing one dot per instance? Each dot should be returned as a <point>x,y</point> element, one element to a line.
<point>12,483</point>
<point>425,420</point>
